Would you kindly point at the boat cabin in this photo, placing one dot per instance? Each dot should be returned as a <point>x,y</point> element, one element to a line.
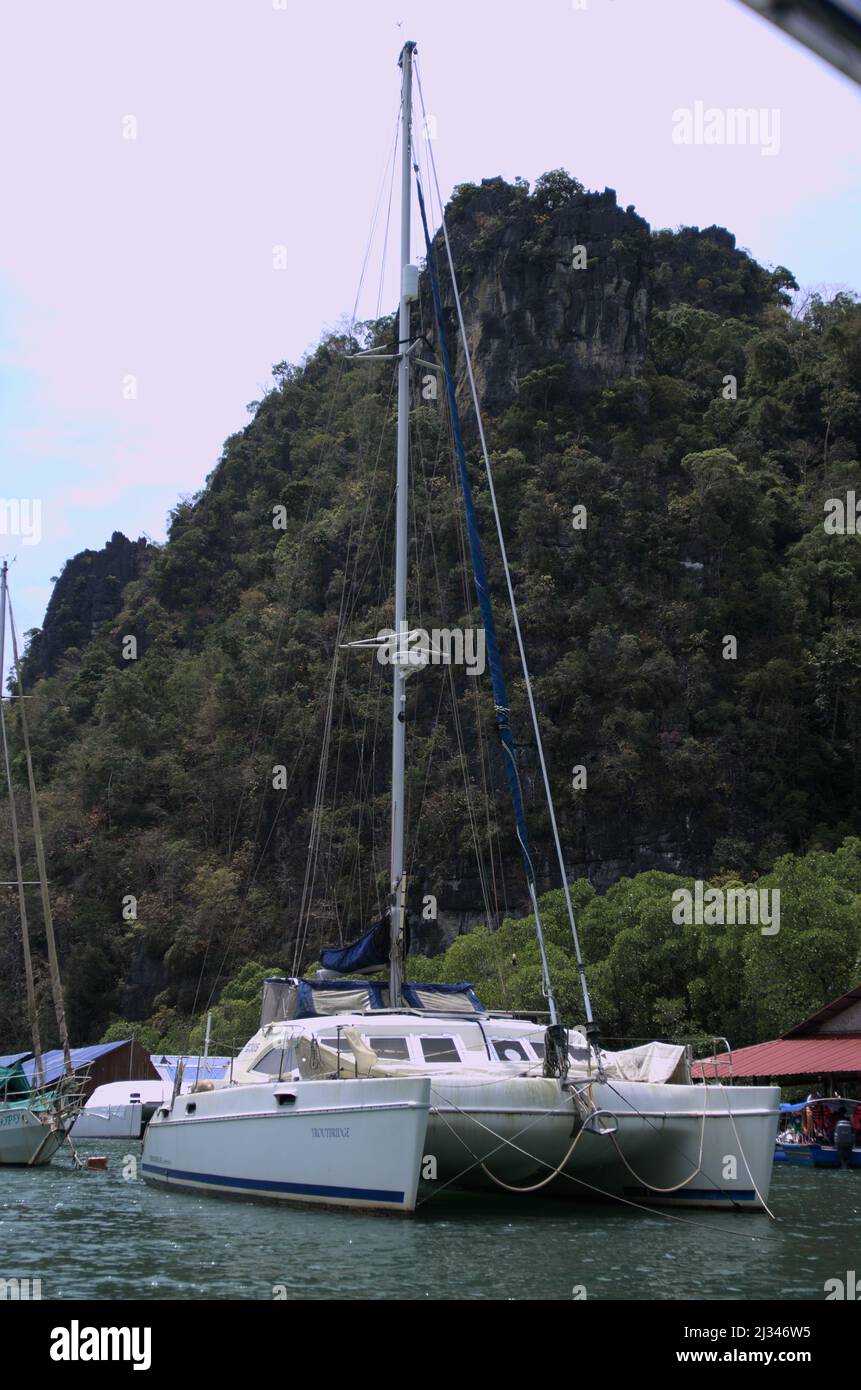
<point>438,1026</point>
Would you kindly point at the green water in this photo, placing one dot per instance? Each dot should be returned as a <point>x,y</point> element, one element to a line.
<point>94,1235</point>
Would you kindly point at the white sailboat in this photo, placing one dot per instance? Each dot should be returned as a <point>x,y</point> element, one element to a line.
<point>626,1125</point>
<point>509,1105</point>
<point>36,1113</point>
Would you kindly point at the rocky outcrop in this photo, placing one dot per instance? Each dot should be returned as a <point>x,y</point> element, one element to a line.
<point>706,269</point>
<point>532,299</point>
<point>87,594</point>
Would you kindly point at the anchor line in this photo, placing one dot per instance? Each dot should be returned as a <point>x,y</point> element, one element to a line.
<point>581,1182</point>
<point>700,1169</point>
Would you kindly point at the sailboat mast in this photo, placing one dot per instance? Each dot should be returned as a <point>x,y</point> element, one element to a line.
<point>53,959</point>
<point>398,885</point>
<point>16,841</point>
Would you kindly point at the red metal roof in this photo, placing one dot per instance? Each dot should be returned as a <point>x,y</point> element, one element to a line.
<point>786,1057</point>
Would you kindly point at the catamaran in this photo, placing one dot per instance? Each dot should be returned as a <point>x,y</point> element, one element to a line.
<point>36,1112</point>
<point>508,1104</point>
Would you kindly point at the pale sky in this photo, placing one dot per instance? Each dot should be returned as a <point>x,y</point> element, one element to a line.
<point>264,123</point>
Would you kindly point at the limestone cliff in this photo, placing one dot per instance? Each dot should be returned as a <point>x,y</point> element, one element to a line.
<point>564,285</point>
<point>88,593</point>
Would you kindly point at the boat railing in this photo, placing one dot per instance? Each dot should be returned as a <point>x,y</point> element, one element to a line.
<point>196,1067</point>
<point>720,1068</point>
<point>66,1091</point>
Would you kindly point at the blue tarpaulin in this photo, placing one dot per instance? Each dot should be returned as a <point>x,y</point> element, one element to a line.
<point>12,1057</point>
<point>797,1105</point>
<point>53,1064</point>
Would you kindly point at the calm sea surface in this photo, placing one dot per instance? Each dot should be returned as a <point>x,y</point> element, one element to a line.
<point>95,1235</point>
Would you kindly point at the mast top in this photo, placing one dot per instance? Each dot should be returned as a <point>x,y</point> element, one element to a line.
<point>409,47</point>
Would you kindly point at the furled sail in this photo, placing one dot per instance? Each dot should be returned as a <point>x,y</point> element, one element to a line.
<point>369,953</point>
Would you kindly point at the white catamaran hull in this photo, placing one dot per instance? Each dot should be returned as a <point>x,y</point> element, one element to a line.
<point>695,1146</point>
<point>519,1127</point>
<point>683,1146</point>
<point>356,1143</point>
<point>25,1140</point>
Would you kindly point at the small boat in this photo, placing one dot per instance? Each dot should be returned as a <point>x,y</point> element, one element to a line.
<point>806,1136</point>
<point>120,1110</point>
<point>123,1109</point>
<point>814,1155</point>
<point>34,1120</point>
<point>36,1114</point>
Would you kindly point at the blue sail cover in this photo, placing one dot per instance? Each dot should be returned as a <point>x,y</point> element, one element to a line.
<point>369,953</point>
<point>500,693</point>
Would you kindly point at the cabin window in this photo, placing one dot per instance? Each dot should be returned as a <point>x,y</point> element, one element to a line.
<point>439,1050</point>
<point>337,1044</point>
<point>394,1048</point>
<point>577,1054</point>
<point>510,1050</point>
<point>276,1061</point>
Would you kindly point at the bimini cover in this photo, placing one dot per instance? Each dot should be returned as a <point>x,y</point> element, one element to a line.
<point>450,999</point>
<point>280,997</point>
<point>369,953</point>
<point>294,998</point>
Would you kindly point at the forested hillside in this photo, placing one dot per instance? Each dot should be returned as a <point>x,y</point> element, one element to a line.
<point>671,388</point>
